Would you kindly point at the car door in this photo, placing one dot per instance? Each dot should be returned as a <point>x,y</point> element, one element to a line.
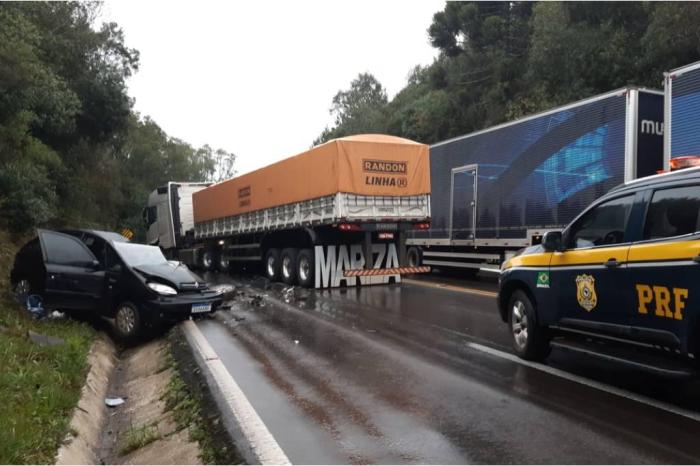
<point>590,276</point>
<point>665,268</point>
<point>74,279</point>
<point>118,286</point>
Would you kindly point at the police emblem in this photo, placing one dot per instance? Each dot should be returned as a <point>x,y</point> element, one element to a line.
<point>585,292</point>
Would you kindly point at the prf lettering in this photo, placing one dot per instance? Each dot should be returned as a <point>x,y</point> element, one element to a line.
<point>666,303</point>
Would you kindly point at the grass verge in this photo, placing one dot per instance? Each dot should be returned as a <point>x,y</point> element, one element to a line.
<point>39,386</point>
<point>187,398</point>
<point>138,437</point>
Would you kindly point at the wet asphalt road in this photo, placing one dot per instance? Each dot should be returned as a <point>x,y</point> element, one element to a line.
<point>389,374</point>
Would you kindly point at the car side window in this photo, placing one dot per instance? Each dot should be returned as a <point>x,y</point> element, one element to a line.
<point>673,212</point>
<point>65,250</point>
<point>111,258</point>
<point>96,246</point>
<point>604,225</point>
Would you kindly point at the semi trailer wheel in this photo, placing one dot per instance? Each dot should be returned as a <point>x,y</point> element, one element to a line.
<point>206,260</point>
<point>414,258</point>
<point>305,268</point>
<point>271,264</point>
<point>289,266</point>
<point>222,262</point>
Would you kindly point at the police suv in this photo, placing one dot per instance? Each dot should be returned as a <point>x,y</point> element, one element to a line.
<point>621,282</point>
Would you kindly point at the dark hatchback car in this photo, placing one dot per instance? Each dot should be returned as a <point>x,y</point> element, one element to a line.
<point>102,272</point>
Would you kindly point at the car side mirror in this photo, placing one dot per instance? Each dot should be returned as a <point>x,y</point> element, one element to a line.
<point>552,241</point>
<point>94,264</point>
<point>116,268</point>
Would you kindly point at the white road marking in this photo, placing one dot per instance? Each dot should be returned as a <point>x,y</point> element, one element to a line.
<point>589,383</point>
<point>261,441</point>
<point>444,286</point>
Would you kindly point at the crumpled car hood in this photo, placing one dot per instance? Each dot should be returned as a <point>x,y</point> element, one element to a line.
<point>171,274</point>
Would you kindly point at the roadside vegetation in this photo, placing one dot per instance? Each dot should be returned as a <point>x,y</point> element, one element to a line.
<point>138,437</point>
<point>72,150</point>
<point>503,60</point>
<point>39,385</point>
<point>191,409</point>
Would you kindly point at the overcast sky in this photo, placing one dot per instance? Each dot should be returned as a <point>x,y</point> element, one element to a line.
<point>257,78</point>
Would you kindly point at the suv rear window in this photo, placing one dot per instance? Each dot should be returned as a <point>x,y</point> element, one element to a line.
<point>673,212</point>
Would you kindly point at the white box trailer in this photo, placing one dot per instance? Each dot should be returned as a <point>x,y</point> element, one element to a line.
<point>500,189</point>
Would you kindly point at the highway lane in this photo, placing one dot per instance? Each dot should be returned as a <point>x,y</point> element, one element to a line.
<point>390,374</point>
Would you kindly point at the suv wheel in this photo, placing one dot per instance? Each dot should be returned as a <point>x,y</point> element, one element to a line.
<point>127,322</point>
<point>530,340</point>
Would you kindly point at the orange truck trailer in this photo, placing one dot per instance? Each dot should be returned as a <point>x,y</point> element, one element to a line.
<point>335,215</point>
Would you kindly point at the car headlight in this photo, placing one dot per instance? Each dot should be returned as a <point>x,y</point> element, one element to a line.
<point>162,289</point>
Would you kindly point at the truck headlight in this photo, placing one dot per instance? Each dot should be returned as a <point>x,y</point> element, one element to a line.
<point>162,289</point>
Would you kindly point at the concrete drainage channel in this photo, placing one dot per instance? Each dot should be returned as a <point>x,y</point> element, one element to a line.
<point>161,420</point>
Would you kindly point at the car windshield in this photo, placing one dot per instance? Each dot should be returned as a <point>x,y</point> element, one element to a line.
<point>139,254</point>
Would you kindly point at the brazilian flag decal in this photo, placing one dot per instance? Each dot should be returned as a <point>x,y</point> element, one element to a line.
<point>542,279</point>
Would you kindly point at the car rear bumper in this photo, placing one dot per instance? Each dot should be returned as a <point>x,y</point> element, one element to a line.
<point>176,308</point>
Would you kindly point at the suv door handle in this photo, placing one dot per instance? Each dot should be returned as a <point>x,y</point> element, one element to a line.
<point>612,262</point>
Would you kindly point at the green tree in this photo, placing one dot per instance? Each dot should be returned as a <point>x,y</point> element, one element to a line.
<point>359,109</point>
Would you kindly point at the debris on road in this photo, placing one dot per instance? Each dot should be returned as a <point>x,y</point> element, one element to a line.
<point>114,402</point>
<point>257,301</point>
<point>35,306</point>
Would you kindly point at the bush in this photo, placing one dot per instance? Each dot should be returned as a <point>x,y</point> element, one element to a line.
<point>27,196</point>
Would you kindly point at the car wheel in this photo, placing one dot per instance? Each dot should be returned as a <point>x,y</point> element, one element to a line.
<point>128,322</point>
<point>305,268</point>
<point>288,266</point>
<point>22,290</point>
<point>206,260</point>
<point>530,340</point>
<point>271,265</point>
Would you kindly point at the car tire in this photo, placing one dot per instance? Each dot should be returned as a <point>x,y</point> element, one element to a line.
<point>530,340</point>
<point>128,322</point>
<point>414,258</point>
<point>271,264</point>
<point>22,289</point>
<point>288,266</point>
<point>305,264</point>
<point>207,260</point>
